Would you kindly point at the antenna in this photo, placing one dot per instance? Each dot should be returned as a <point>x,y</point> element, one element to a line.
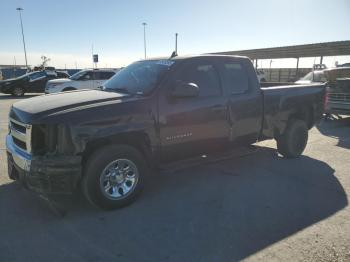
<point>176,34</point>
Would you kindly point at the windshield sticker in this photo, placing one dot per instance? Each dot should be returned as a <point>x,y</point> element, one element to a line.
<point>165,62</point>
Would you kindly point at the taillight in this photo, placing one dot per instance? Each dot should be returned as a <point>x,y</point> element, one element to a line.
<point>325,105</point>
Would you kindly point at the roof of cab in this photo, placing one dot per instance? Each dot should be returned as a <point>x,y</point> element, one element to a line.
<point>192,56</point>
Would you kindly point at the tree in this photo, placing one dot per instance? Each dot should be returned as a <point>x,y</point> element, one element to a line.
<point>44,61</point>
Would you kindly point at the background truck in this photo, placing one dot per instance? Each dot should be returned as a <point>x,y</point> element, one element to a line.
<point>337,81</point>
<point>151,113</point>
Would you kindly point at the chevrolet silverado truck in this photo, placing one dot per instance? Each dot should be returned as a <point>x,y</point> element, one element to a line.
<point>152,112</point>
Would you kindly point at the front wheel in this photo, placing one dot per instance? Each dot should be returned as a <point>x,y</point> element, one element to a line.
<point>292,142</point>
<point>114,176</point>
<point>18,91</point>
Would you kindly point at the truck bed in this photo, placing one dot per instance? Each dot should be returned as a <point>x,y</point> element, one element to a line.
<point>280,102</point>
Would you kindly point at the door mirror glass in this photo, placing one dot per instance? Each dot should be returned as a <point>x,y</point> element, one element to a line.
<point>183,90</point>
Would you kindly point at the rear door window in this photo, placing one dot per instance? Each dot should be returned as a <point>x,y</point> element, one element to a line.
<point>87,76</point>
<point>235,78</point>
<point>106,75</point>
<point>36,76</point>
<point>204,75</point>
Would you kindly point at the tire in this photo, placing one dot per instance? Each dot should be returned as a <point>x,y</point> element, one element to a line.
<point>104,169</point>
<point>18,91</point>
<point>292,142</point>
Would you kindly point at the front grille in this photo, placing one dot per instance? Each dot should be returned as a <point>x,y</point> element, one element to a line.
<point>21,134</point>
<point>20,143</point>
<point>339,97</point>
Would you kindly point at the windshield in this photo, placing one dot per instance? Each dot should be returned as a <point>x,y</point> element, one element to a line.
<point>316,76</point>
<point>77,75</point>
<point>138,78</point>
<point>31,75</point>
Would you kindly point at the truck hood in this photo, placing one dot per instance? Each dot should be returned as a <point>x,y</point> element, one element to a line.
<point>41,106</point>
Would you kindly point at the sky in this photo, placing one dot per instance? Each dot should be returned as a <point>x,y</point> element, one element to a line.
<point>65,31</point>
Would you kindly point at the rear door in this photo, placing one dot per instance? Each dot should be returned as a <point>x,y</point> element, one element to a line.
<point>192,126</point>
<point>245,99</point>
<point>101,76</point>
<point>86,81</point>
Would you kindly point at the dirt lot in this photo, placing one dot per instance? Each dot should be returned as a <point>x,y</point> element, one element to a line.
<point>257,207</point>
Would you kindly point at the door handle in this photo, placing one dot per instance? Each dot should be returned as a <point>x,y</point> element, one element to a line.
<point>217,108</point>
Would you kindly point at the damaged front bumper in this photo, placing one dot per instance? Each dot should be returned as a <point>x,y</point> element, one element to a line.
<point>43,174</point>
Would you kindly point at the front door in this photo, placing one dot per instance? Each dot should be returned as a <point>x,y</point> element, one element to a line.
<point>86,81</point>
<point>196,125</point>
<point>37,82</point>
<point>245,100</point>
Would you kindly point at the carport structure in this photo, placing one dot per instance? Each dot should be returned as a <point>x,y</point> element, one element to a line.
<point>338,48</point>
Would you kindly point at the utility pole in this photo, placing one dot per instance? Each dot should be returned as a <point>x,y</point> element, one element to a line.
<point>19,9</point>
<point>92,55</point>
<point>144,38</point>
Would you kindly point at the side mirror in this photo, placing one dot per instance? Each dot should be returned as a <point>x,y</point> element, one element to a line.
<point>183,90</point>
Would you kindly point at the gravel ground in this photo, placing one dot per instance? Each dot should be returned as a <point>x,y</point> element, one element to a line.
<point>259,207</point>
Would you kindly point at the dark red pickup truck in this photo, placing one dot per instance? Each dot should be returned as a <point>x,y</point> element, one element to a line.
<point>150,113</point>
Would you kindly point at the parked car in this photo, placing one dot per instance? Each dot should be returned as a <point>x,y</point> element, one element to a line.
<point>261,75</point>
<point>1,76</point>
<point>329,75</point>
<point>317,76</point>
<point>151,113</point>
<point>33,82</point>
<point>85,79</point>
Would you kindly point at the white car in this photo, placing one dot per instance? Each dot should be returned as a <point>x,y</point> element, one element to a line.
<point>85,79</point>
<point>261,75</point>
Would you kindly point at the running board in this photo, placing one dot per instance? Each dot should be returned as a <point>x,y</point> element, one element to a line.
<point>208,159</point>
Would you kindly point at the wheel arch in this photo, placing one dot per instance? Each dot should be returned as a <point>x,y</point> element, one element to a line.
<point>137,139</point>
<point>305,113</point>
<point>69,88</point>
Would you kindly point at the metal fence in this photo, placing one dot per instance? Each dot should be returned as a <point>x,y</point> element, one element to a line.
<point>285,74</point>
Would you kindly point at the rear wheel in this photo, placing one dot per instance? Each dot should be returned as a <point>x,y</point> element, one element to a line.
<point>292,142</point>
<point>114,176</point>
<point>18,91</point>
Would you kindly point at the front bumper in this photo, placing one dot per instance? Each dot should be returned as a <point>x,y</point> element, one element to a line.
<point>43,174</point>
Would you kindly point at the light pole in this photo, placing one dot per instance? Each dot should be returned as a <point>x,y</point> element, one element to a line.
<point>144,38</point>
<point>19,9</point>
